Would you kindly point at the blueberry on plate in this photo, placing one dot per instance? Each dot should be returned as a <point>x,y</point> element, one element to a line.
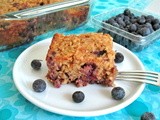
<point>118,93</point>
<point>78,96</point>
<point>119,57</point>
<point>36,64</point>
<point>39,85</point>
<point>148,116</point>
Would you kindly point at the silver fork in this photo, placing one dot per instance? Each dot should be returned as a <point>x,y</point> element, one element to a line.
<point>140,76</point>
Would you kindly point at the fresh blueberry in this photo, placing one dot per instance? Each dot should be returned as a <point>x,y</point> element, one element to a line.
<point>121,16</point>
<point>127,12</point>
<point>127,22</point>
<point>118,18</point>
<point>148,116</point>
<point>118,93</point>
<point>144,31</point>
<point>132,28</point>
<point>126,29</point>
<point>120,22</point>
<point>119,57</point>
<point>126,18</point>
<point>149,25</point>
<point>148,20</point>
<point>133,20</point>
<point>36,64</point>
<point>132,16</point>
<point>141,20</point>
<point>39,85</point>
<point>115,24</point>
<point>121,27</point>
<point>155,21</point>
<point>149,17</point>
<point>78,96</point>
<point>156,26</point>
<point>111,20</point>
<point>144,16</point>
<point>137,17</point>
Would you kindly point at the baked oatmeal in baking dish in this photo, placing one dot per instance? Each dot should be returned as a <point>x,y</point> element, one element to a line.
<point>21,21</point>
<point>81,59</point>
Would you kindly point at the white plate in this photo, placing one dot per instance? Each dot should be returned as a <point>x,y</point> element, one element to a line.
<point>98,100</point>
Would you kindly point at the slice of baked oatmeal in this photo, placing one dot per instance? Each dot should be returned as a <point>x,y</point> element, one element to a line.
<point>81,59</point>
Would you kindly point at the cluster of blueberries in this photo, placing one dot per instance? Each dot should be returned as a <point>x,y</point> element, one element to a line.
<point>139,25</point>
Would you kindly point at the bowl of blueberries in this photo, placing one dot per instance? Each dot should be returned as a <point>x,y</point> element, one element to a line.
<point>129,27</point>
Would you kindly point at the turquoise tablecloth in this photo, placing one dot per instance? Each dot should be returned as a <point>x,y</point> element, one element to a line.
<point>14,106</point>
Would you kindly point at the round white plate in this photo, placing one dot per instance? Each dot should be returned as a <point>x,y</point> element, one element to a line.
<point>98,100</point>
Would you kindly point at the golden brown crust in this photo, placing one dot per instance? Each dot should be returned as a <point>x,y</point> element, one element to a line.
<point>75,58</point>
<point>16,5</point>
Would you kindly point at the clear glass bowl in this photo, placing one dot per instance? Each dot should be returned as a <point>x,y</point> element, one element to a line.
<point>127,39</point>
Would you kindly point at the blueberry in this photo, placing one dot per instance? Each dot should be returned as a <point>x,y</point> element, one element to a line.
<point>36,64</point>
<point>149,17</point>
<point>144,16</point>
<point>78,96</point>
<point>121,27</point>
<point>126,29</point>
<point>115,24</point>
<point>155,21</point>
<point>118,18</point>
<point>100,53</point>
<point>156,26</point>
<point>149,25</point>
<point>148,116</point>
<point>127,12</point>
<point>132,28</point>
<point>126,18</point>
<point>133,20</point>
<point>148,20</point>
<point>144,31</point>
<point>119,57</point>
<point>111,20</point>
<point>127,22</point>
<point>120,22</point>
<point>121,16</point>
<point>118,93</point>
<point>132,16</point>
<point>39,85</point>
<point>141,20</point>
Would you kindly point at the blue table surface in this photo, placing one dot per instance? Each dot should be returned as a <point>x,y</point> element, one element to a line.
<point>13,106</point>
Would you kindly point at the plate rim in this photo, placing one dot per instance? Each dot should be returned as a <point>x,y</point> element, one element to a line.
<point>81,113</point>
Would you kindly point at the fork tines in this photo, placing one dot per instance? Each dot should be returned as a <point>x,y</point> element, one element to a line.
<point>140,76</point>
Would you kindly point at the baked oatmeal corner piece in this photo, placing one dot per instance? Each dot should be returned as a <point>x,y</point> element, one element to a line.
<point>81,59</point>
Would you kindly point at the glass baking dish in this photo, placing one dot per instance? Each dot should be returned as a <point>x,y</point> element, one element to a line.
<point>127,39</point>
<point>22,25</point>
